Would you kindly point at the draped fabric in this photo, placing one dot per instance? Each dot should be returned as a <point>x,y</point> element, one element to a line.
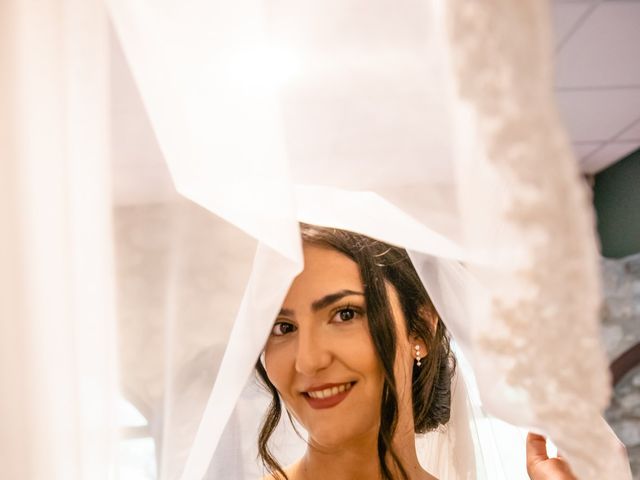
<point>429,125</point>
<point>58,372</point>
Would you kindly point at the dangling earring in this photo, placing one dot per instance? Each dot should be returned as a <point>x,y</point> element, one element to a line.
<point>418,357</point>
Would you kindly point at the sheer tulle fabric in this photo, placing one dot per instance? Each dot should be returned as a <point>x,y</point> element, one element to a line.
<point>424,127</point>
<point>430,126</point>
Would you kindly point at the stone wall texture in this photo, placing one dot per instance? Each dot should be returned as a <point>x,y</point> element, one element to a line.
<point>621,331</point>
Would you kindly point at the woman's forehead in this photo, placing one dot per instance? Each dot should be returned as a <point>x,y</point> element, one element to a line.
<point>325,270</point>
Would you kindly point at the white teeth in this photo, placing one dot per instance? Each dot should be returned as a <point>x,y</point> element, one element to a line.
<point>329,392</point>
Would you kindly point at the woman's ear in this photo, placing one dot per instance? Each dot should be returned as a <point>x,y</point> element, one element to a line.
<point>418,349</point>
<point>429,315</point>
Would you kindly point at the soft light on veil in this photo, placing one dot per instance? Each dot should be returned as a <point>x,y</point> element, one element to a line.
<point>432,127</point>
<point>429,124</point>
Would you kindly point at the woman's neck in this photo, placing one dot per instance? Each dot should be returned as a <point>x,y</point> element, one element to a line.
<point>359,460</point>
<point>404,446</point>
<point>344,463</point>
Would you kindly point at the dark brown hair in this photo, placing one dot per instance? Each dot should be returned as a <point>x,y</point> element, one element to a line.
<point>431,383</point>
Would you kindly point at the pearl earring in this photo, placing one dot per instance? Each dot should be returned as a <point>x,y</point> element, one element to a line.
<point>418,357</point>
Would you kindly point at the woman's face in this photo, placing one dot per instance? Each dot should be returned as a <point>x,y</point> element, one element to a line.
<point>320,355</point>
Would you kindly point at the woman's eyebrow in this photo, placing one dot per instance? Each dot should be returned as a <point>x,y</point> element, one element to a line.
<point>331,298</point>
<point>286,312</point>
<point>322,302</point>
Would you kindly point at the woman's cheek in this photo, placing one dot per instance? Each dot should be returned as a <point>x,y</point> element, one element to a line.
<point>277,365</point>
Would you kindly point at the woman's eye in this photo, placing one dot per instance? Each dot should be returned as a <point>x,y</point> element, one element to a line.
<point>282,328</point>
<point>346,314</point>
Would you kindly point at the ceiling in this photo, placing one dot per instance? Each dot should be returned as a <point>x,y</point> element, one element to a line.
<point>597,46</point>
<point>598,77</point>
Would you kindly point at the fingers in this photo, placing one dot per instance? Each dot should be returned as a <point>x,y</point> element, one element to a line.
<point>540,466</point>
<point>536,450</point>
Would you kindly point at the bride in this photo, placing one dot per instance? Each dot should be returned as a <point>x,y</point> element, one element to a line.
<point>361,359</point>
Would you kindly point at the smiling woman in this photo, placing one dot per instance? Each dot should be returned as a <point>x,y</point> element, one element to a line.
<point>361,359</point>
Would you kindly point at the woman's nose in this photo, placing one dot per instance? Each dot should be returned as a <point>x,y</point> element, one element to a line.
<point>313,354</point>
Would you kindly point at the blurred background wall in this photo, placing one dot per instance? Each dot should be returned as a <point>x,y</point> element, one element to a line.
<point>617,203</point>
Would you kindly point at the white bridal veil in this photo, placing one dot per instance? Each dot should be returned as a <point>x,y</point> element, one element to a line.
<point>428,124</point>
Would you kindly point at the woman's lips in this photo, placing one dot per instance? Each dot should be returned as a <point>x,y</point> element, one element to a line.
<point>328,396</point>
